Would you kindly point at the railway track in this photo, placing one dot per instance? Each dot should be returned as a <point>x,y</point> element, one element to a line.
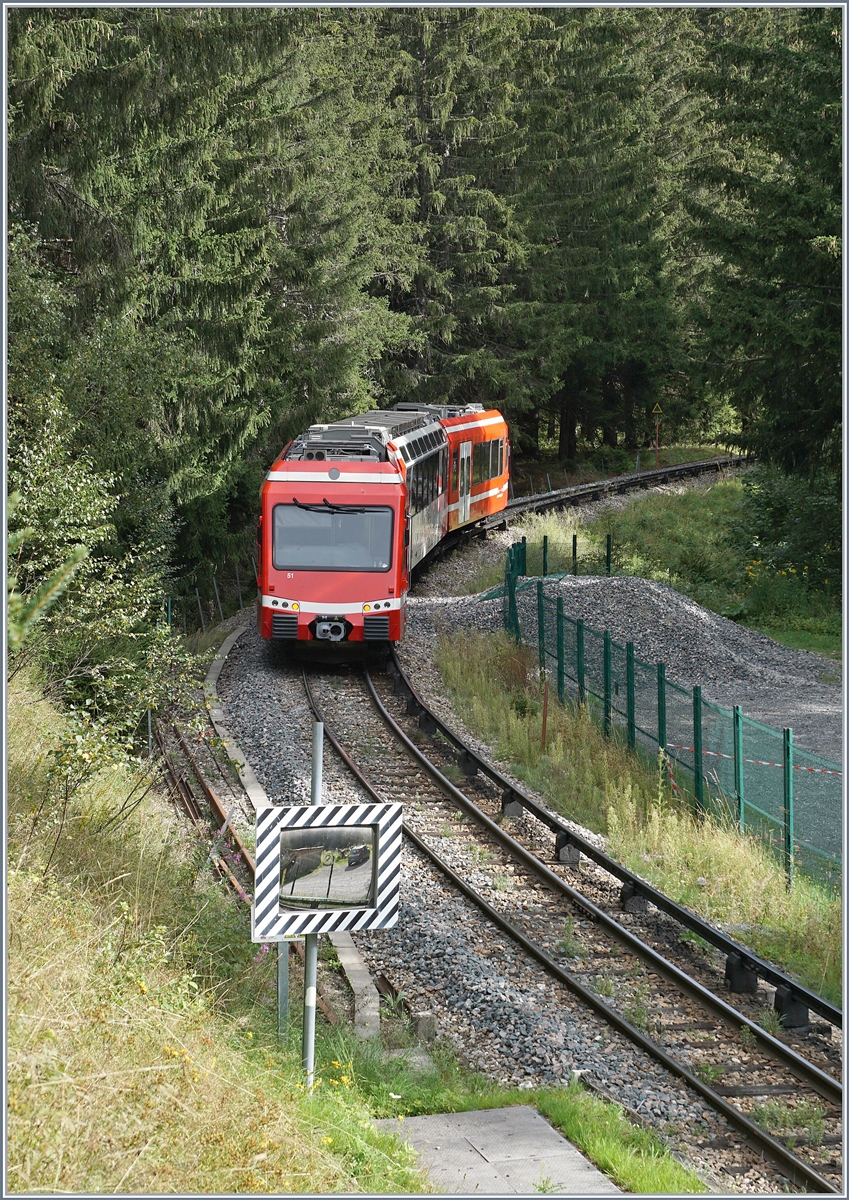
<point>585,493</point>
<point>716,1050</point>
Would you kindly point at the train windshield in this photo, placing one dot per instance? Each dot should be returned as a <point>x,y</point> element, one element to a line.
<point>312,537</point>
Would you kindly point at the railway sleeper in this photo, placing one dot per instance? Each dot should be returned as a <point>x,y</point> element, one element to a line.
<point>793,1011</point>
<point>467,764</point>
<point>565,850</point>
<point>631,900</point>
<point>739,975</point>
<point>511,805</point>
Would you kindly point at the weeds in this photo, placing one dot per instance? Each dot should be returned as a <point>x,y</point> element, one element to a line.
<point>604,985</point>
<point>770,1020</point>
<point>569,944</point>
<point>806,1116</point>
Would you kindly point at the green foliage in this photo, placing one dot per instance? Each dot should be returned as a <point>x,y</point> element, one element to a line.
<point>633,1157</point>
<point>22,614</point>
<point>767,203</point>
<point>794,524</point>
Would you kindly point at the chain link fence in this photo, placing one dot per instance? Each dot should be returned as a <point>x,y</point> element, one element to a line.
<point>719,761</point>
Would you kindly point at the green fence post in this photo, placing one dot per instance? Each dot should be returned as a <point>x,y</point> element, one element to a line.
<point>607,553</point>
<point>607,684</point>
<point>789,864</point>
<point>738,767</point>
<point>524,569</point>
<point>579,635</point>
<point>545,554</point>
<point>561,657</point>
<point>699,778</point>
<point>629,690</point>
<point>541,626</point>
<point>661,706</point>
<point>574,554</point>
<point>512,610</point>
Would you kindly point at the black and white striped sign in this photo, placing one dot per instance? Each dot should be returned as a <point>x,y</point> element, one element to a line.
<point>278,912</point>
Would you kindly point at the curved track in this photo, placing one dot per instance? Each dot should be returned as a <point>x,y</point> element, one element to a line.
<point>538,905</point>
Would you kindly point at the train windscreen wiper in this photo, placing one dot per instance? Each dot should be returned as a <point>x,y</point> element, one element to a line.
<point>326,506</point>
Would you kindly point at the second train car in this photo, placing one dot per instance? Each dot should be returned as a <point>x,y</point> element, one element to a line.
<point>348,510</point>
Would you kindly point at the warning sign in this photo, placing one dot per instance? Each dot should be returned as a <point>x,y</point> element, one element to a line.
<point>657,411</point>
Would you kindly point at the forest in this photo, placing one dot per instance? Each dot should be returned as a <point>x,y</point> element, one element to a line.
<point>228,223</point>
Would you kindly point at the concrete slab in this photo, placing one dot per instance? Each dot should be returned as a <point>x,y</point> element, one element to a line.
<point>500,1151</point>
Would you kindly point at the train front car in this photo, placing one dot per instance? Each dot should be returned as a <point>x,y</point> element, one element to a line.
<point>333,556</point>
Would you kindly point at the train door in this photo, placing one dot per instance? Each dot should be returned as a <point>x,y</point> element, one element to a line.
<point>464,510</point>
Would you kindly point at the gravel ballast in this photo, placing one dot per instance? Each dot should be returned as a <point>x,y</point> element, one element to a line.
<point>487,998</point>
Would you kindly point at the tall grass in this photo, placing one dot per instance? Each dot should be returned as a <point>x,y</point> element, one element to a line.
<point>139,1012</point>
<point>600,784</point>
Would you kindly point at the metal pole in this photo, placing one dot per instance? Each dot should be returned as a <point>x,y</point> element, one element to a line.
<point>697,750</point>
<point>661,706</point>
<point>317,761</point>
<point>574,554</point>
<point>657,442</point>
<point>239,586</point>
<point>738,767</point>
<point>789,859</point>
<point>607,553</point>
<point>282,989</point>
<point>149,735</point>
<point>541,626</point>
<point>629,691</point>
<point>311,939</point>
<point>169,612</point>
<point>218,598</point>
<point>200,610</point>
<point>579,632</point>
<point>524,570</point>
<point>607,684</point>
<point>544,717</point>
<point>545,554</point>
<point>561,657</point>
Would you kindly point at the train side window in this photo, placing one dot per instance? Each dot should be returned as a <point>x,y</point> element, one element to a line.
<point>454,460</point>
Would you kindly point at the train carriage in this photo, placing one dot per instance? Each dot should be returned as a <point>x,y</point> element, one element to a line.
<point>350,509</point>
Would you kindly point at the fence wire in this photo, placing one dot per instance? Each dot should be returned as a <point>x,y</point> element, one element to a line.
<point>719,760</point>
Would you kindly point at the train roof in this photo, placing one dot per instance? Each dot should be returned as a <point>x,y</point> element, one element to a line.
<point>364,437</point>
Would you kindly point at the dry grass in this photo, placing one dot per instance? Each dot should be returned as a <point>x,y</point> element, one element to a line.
<point>139,1054</point>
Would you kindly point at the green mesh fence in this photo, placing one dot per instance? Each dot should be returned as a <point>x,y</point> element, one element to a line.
<point>718,760</point>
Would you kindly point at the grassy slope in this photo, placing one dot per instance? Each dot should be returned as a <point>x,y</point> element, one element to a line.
<point>142,1045</point>
<point>600,784</point>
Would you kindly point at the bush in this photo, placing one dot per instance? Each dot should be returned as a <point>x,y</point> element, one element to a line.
<point>791,527</point>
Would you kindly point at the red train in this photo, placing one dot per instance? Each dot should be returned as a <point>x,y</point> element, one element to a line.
<point>349,509</point>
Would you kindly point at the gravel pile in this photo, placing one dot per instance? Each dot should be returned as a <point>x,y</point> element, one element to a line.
<point>732,664</point>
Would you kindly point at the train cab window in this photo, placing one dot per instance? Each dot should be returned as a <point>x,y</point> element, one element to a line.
<point>339,539</point>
